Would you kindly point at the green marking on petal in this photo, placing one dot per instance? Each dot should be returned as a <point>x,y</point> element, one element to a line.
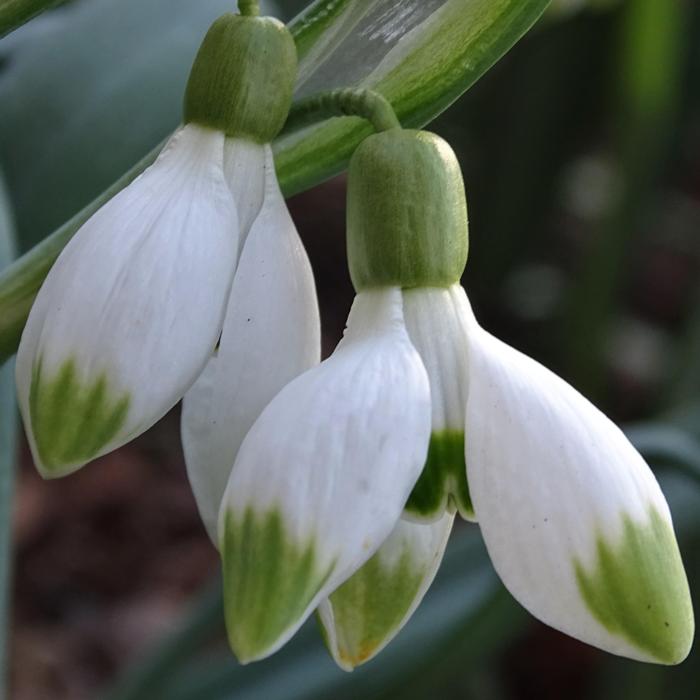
<point>443,481</point>
<point>72,420</point>
<point>638,589</point>
<point>269,581</point>
<point>371,605</point>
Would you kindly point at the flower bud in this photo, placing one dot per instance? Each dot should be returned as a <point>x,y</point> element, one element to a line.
<point>243,77</point>
<point>407,212</point>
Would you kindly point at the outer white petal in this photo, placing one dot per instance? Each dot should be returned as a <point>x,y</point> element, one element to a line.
<point>572,516</point>
<point>322,477</point>
<point>367,611</point>
<point>271,334</point>
<point>132,308</point>
<point>437,321</point>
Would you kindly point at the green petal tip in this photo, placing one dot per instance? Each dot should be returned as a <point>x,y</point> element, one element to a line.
<point>269,582</point>
<point>72,420</point>
<point>638,590</point>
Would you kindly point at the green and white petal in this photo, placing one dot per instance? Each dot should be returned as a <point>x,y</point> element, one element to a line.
<point>437,321</point>
<point>367,611</point>
<point>573,518</point>
<point>131,310</point>
<point>271,334</point>
<point>321,478</point>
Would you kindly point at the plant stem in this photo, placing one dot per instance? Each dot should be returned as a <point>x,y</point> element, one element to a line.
<point>345,102</point>
<point>249,8</point>
<point>14,13</point>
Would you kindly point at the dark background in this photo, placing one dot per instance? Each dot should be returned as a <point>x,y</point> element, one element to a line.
<point>581,156</point>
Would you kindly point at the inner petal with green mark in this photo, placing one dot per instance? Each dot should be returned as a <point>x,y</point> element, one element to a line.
<point>370,604</point>
<point>443,482</point>
<point>638,589</point>
<point>72,419</point>
<point>365,613</point>
<point>269,581</point>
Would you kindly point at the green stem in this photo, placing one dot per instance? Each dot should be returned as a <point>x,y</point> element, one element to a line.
<point>345,102</point>
<point>14,13</point>
<point>249,8</point>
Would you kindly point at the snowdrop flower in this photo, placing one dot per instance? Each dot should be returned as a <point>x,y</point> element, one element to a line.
<point>322,476</point>
<point>132,310</point>
<point>573,519</point>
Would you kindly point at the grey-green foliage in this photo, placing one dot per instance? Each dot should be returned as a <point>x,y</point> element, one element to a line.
<point>87,90</point>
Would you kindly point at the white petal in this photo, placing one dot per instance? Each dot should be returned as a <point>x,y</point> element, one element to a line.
<point>244,170</point>
<point>322,477</point>
<point>572,516</point>
<point>437,321</point>
<point>271,334</point>
<point>130,312</point>
<point>367,611</point>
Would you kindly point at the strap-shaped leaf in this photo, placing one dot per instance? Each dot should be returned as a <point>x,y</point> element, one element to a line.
<point>421,54</point>
<point>8,433</point>
<point>14,13</point>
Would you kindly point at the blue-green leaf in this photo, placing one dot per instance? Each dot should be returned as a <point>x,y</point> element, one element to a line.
<point>14,13</point>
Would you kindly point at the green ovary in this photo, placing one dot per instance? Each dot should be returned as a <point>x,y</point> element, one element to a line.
<point>371,604</point>
<point>444,478</point>
<point>638,589</point>
<point>72,420</point>
<point>269,581</point>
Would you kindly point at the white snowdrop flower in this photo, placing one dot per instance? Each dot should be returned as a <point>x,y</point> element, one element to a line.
<point>572,516</point>
<point>322,476</point>
<point>132,310</point>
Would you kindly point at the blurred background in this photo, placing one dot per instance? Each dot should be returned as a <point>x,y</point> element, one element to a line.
<point>581,155</point>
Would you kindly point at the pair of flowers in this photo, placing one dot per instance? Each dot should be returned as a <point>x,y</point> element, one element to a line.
<point>333,486</point>
<point>343,493</point>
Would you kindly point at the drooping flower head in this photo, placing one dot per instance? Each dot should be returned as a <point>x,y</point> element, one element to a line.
<point>573,518</point>
<point>133,308</point>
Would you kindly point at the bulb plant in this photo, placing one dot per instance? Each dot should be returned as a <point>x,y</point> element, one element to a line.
<point>332,487</point>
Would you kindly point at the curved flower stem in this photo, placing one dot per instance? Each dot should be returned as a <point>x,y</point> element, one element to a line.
<point>344,102</point>
<point>249,8</point>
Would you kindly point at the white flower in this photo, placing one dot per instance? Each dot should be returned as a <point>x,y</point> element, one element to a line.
<point>321,479</point>
<point>573,518</point>
<point>133,308</point>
